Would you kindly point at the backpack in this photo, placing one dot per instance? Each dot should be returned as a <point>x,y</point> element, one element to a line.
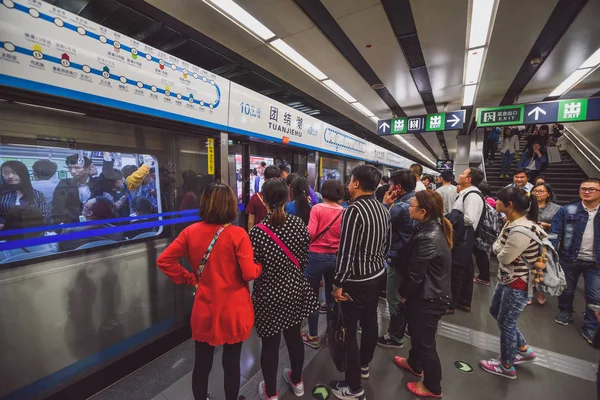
<point>553,282</point>
<point>489,226</point>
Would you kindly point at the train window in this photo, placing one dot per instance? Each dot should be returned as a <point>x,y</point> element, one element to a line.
<point>56,200</point>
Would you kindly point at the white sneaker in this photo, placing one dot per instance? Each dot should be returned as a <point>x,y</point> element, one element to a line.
<point>262,392</point>
<point>298,388</point>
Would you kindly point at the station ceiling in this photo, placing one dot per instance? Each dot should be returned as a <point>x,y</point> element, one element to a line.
<point>415,49</point>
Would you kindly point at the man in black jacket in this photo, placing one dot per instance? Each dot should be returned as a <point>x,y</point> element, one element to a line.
<point>70,194</point>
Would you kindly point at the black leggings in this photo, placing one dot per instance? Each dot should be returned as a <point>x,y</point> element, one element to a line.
<point>269,357</point>
<point>203,364</point>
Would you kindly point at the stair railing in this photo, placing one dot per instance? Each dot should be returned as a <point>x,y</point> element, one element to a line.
<point>583,148</point>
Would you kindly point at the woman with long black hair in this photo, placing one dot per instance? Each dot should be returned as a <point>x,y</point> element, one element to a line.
<point>299,204</point>
<point>282,295</point>
<point>511,293</point>
<point>534,161</point>
<point>425,290</point>
<point>16,190</point>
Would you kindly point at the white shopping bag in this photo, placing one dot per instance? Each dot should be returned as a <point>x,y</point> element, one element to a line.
<point>554,155</point>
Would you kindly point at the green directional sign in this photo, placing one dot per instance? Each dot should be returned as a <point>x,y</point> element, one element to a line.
<point>463,366</point>
<point>435,122</point>
<point>497,116</point>
<point>321,392</point>
<point>399,125</point>
<point>572,110</point>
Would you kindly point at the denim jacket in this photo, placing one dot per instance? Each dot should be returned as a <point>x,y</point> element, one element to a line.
<point>402,225</point>
<point>568,225</point>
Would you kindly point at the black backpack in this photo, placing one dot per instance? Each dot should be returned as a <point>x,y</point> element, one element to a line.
<point>489,226</point>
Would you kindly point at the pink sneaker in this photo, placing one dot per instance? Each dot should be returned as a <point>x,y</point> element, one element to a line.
<point>495,367</point>
<point>524,357</point>
<point>297,388</point>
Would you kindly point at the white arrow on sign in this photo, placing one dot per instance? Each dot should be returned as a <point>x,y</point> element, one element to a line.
<point>537,112</point>
<point>383,126</point>
<point>454,120</point>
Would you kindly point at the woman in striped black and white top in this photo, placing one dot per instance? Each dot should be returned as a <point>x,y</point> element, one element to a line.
<point>510,296</point>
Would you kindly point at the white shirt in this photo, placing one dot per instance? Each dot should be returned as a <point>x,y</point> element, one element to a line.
<point>84,191</point>
<point>420,186</point>
<point>509,144</point>
<point>449,195</point>
<point>471,208</point>
<point>586,251</point>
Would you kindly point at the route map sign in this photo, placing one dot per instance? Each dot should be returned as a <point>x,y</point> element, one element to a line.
<point>571,110</point>
<point>449,121</point>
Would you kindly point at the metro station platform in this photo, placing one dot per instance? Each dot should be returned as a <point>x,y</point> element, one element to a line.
<point>566,366</point>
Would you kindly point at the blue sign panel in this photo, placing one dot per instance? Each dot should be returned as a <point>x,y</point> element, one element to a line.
<point>540,113</point>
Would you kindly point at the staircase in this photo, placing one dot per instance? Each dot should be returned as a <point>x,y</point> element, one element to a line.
<point>564,177</point>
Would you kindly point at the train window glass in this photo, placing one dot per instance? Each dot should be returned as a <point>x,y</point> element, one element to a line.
<point>331,168</point>
<point>350,165</point>
<point>56,199</point>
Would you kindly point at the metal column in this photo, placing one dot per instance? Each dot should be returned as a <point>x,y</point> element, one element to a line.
<point>224,158</point>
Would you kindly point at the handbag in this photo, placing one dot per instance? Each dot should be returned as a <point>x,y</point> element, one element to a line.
<point>206,255</point>
<point>324,231</point>
<point>279,243</point>
<point>336,339</point>
<point>554,156</point>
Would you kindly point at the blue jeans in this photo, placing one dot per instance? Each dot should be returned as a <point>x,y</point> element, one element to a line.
<point>320,266</point>
<point>507,305</point>
<point>591,279</point>
<point>507,159</point>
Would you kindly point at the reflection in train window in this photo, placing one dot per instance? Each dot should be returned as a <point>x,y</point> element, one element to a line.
<point>55,199</point>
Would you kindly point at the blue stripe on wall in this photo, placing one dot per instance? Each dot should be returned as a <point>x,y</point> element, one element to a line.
<point>56,378</point>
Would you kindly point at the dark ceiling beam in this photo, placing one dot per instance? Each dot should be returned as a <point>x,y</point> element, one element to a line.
<point>402,21</point>
<point>597,94</point>
<point>560,20</point>
<point>156,14</point>
<point>324,21</point>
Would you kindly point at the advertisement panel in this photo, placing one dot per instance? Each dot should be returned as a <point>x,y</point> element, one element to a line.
<point>47,49</point>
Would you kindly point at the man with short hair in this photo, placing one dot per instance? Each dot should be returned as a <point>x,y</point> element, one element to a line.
<point>417,169</point>
<point>70,194</point>
<point>520,179</point>
<point>447,190</point>
<point>259,180</point>
<point>364,243</point>
<point>577,230</point>
<point>256,209</point>
<point>472,207</point>
<point>398,198</point>
<point>43,171</point>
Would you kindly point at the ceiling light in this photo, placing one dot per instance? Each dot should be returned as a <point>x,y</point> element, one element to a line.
<point>300,61</point>
<point>337,89</point>
<point>469,95</point>
<point>243,18</point>
<point>413,148</point>
<point>481,17</point>
<point>363,109</point>
<point>474,63</point>
<point>570,81</point>
<point>592,61</point>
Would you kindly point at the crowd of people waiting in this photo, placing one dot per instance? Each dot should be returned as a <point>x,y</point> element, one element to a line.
<point>415,243</point>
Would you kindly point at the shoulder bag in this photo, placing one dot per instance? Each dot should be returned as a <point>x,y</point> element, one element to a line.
<point>336,338</point>
<point>279,243</point>
<point>206,255</point>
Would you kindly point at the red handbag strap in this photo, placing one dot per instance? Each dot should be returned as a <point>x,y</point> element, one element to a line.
<point>279,243</point>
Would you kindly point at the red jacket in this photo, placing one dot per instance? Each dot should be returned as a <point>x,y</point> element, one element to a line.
<point>222,311</point>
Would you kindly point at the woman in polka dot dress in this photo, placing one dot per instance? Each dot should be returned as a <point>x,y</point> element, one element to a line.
<point>282,296</point>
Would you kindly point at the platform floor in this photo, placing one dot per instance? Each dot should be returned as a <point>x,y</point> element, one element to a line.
<point>565,370</point>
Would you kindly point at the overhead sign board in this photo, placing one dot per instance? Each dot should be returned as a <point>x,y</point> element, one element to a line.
<point>50,50</point>
<point>571,110</point>
<point>422,123</point>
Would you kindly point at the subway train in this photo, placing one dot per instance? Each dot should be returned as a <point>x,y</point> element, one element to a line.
<point>67,313</point>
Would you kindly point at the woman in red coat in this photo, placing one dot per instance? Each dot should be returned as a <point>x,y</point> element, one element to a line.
<point>222,312</point>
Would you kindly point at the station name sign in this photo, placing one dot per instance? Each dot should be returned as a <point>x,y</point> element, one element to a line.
<point>572,110</point>
<point>449,121</point>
